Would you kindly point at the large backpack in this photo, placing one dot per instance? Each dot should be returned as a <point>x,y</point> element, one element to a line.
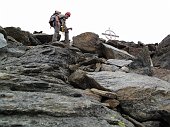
<point>52,18</point>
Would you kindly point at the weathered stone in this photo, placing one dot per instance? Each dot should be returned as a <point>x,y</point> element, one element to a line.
<point>133,50</point>
<point>50,121</point>
<point>73,67</point>
<point>102,93</point>
<point>144,57</point>
<point>143,62</point>
<point>74,49</point>
<point>119,80</point>
<point>31,104</point>
<point>2,30</point>
<point>140,96</point>
<point>23,37</point>
<point>151,124</point>
<point>111,52</point>
<point>146,104</point>
<point>162,59</point>
<point>106,67</point>
<point>79,80</point>
<point>3,41</point>
<point>161,73</point>
<point>163,46</point>
<point>92,95</point>
<point>152,47</point>
<point>36,103</point>
<point>59,44</point>
<point>116,44</point>
<point>98,67</point>
<point>5,76</point>
<point>135,122</point>
<point>125,69</point>
<point>43,38</point>
<point>15,52</point>
<point>90,61</point>
<point>42,60</point>
<point>87,42</point>
<point>112,103</point>
<point>166,78</point>
<point>117,62</point>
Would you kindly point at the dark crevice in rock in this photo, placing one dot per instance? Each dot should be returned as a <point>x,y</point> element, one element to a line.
<point>34,113</point>
<point>163,123</point>
<point>13,125</point>
<point>76,95</point>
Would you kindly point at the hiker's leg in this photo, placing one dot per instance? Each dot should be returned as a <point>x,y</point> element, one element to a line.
<point>54,37</point>
<point>56,34</point>
<point>66,36</point>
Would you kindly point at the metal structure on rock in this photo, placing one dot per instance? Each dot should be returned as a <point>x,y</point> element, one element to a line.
<point>109,34</point>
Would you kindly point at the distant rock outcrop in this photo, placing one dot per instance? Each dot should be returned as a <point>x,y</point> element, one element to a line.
<point>162,57</point>
<point>21,36</point>
<point>3,32</point>
<point>3,41</point>
<point>42,37</point>
<point>3,38</point>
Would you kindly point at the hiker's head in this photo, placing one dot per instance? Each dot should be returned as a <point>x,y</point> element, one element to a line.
<point>67,14</point>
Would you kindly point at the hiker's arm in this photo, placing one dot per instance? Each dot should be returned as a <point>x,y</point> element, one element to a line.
<point>57,21</point>
<point>64,23</point>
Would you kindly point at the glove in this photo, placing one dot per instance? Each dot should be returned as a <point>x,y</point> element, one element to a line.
<point>62,29</point>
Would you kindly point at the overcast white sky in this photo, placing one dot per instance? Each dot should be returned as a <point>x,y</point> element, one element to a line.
<point>147,21</point>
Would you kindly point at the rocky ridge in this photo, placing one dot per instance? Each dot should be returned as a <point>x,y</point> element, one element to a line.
<point>91,83</point>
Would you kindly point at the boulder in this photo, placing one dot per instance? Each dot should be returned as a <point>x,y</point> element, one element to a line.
<point>110,52</point>
<point>142,97</point>
<point>2,30</point>
<point>106,67</point>
<point>107,94</point>
<point>119,63</point>
<point>116,44</point>
<point>87,42</point>
<point>21,36</point>
<point>162,59</point>
<point>43,38</point>
<point>3,41</point>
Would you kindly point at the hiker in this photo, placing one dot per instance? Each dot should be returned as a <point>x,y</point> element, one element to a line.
<point>60,25</point>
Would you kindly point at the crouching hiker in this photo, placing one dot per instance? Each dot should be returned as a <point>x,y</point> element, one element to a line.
<point>59,24</point>
<point>63,27</point>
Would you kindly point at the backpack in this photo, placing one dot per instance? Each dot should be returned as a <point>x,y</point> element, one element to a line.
<point>51,21</point>
<point>52,18</point>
